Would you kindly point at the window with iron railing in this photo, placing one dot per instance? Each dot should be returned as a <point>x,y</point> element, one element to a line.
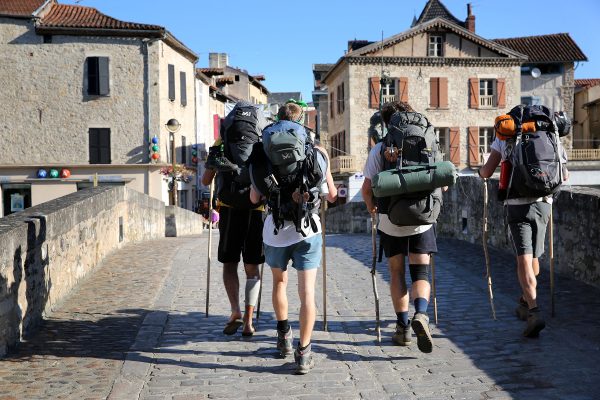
<point>388,91</point>
<point>487,93</point>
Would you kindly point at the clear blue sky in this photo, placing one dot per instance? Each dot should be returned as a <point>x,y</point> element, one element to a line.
<point>283,39</point>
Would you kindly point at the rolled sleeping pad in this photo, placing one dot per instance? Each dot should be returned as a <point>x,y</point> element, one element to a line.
<point>415,178</point>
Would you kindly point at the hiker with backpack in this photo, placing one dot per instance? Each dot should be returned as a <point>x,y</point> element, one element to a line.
<point>406,154</point>
<point>533,167</point>
<point>288,171</point>
<point>240,222</point>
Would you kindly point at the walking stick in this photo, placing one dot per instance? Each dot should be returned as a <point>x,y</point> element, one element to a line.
<point>324,249</point>
<point>210,224</point>
<point>373,272</point>
<point>262,268</point>
<point>551,262</point>
<point>435,309</point>
<point>485,248</point>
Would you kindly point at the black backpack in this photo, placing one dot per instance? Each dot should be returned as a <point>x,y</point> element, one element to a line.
<point>285,162</point>
<point>535,157</point>
<point>239,132</point>
<point>412,139</point>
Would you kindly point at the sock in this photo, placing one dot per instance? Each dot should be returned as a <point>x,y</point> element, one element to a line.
<point>421,305</point>
<point>303,348</point>
<point>283,326</point>
<point>402,318</point>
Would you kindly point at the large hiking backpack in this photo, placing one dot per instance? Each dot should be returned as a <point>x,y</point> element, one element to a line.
<point>288,162</point>
<point>535,156</point>
<point>410,141</point>
<point>240,130</point>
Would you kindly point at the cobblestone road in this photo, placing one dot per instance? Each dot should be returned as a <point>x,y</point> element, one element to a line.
<point>136,328</point>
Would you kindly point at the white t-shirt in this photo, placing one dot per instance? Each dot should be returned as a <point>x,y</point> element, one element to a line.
<point>374,166</point>
<point>501,147</point>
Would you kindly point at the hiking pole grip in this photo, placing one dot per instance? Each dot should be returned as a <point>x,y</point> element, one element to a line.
<point>210,224</point>
<point>373,275</point>
<point>485,248</point>
<point>551,240</point>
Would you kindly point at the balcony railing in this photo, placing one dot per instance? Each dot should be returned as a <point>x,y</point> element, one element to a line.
<point>583,154</point>
<point>387,98</point>
<point>343,164</point>
<point>486,101</point>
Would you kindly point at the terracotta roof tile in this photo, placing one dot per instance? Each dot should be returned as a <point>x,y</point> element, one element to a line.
<point>69,16</point>
<point>225,80</point>
<point>19,8</point>
<point>558,47</point>
<point>211,71</point>
<point>587,83</point>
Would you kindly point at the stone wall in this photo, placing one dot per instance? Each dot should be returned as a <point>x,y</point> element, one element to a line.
<point>181,222</point>
<point>47,249</point>
<point>576,229</point>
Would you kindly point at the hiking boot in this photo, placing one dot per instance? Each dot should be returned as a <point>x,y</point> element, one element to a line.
<point>403,336</point>
<point>535,323</point>
<point>420,324</point>
<point>304,360</point>
<point>284,342</point>
<point>522,310</point>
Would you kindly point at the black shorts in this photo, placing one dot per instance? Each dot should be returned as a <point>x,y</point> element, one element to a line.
<point>421,243</point>
<point>240,232</point>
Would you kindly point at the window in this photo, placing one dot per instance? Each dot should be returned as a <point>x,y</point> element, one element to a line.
<point>340,98</point>
<point>443,135</point>
<point>97,76</point>
<point>237,78</point>
<point>99,141</point>
<point>182,197</point>
<point>183,88</point>
<point>171,82</point>
<point>435,46</point>
<point>487,90</point>
<point>47,39</point>
<point>388,90</point>
<point>531,100</point>
<point>15,197</point>
<point>338,144</point>
<point>183,150</point>
<point>485,139</point>
<point>331,104</point>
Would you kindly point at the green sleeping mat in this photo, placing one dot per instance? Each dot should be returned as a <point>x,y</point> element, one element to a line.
<point>415,178</point>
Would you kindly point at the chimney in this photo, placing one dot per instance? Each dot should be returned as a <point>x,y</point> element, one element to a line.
<point>470,21</point>
<point>218,60</point>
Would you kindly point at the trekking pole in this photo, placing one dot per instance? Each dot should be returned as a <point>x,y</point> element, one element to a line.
<point>433,289</point>
<point>324,250</point>
<point>210,224</point>
<point>262,268</point>
<point>485,248</point>
<point>373,272</point>
<point>551,262</point>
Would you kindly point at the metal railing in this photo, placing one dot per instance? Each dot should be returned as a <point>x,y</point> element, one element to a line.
<point>343,164</point>
<point>486,101</point>
<point>583,154</point>
<point>387,98</point>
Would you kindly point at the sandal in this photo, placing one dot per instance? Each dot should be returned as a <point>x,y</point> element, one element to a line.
<point>232,326</point>
<point>249,334</point>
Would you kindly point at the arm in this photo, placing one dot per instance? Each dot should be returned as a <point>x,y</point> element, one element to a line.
<point>208,176</point>
<point>331,189</point>
<point>255,197</point>
<point>367,194</point>
<point>490,166</point>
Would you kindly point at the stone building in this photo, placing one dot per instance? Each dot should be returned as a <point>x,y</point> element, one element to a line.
<point>586,124</point>
<point>86,92</point>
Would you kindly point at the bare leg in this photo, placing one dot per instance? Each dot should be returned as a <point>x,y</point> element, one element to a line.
<point>527,279</point>
<point>232,287</point>
<point>251,273</point>
<point>279,296</point>
<point>308,310</point>
<point>398,288</point>
<point>420,288</point>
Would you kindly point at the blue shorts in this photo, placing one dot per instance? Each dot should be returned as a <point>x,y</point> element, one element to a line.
<point>305,255</point>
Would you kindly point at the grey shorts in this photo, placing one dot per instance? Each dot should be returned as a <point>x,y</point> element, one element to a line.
<point>527,223</point>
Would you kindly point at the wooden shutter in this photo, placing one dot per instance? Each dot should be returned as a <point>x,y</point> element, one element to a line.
<point>103,76</point>
<point>501,93</point>
<point>332,104</point>
<point>374,92</point>
<point>443,92</point>
<point>94,146</point>
<point>434,93</point>
<point>183,88</point>
<point>403,89</point>
<point>455,145</point>
<point>474,93</point>
<point>171,82</point>
<point>104,140</point>
<point>474,146</point>
<point>92,76</point>
<point>343,98</point>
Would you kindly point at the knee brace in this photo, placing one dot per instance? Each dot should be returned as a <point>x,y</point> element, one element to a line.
<point>252,290</point>
<point>419,272</point>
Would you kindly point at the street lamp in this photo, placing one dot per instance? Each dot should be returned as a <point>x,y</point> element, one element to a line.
<point>173,126</point>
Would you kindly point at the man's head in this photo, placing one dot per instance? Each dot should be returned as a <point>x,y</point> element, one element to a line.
<point>290,112</point>
<point>390,108</point>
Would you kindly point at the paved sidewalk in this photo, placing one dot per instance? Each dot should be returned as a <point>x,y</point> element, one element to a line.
<point>137,329</point>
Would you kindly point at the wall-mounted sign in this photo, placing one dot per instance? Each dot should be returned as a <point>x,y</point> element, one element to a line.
<point>17,202</point>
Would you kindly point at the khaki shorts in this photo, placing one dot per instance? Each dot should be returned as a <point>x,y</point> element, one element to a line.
<point>527,223</point>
